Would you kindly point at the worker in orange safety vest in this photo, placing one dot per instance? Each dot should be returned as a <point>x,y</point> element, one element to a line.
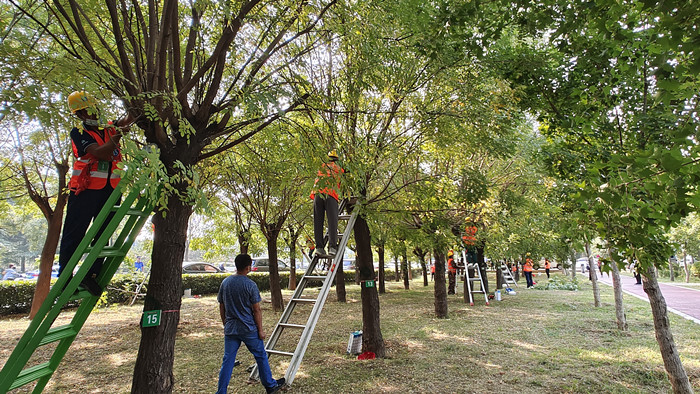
<point>451,272</point>
<point>547,266</point>
<point>325,194</point>
<point>93,178</point>
<point>527,271</point>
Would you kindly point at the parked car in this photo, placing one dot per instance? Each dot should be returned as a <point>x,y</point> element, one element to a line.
<point>348,264</point>
<point>200,268</point>
<point>262,264</point>
<point>34,275</point>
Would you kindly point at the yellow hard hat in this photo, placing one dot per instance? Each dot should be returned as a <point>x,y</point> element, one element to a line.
<point>451,252</point>
<point>333,155</point>
<point>80,100</point>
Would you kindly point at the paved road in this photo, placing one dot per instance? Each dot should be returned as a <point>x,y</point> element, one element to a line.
<point>680,300</point>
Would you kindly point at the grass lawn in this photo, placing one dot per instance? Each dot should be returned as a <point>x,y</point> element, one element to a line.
<point>534,342</point>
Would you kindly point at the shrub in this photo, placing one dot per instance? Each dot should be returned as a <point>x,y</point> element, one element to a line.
<point>559,282</point>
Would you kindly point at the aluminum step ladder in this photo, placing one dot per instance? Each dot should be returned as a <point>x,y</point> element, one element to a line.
<point>129,217</point>
<point>470,282</point>
<point>508,275</point>
<point>323,270</point>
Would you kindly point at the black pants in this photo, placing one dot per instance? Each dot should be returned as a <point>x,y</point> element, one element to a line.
<point>327,206</point>
<point>452,282</point>
<point>547,271</point>
<point>80,212</point>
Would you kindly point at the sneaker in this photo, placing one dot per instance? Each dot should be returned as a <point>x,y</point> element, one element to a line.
<point>331,252</point>
<point>92,286</point>
<point>321,252</point>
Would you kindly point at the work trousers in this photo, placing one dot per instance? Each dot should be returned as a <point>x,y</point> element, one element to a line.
<point>80,212</point>
<point>528,278</point>
<point>325,205</point>
<point>452,280</point>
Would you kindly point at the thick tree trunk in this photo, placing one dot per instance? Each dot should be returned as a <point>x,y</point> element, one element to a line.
<point>404,271</point>
<point>397,269</point>
<point>617,291</point>
<point>440,290</point>
<point>593,275</point>
<point>380,255</point>
<point>672,276</point>
<point>372,340</point>
<point>662,328</point>
<point>48,252</point>
<point>273,233</point>
<point>154,362</point>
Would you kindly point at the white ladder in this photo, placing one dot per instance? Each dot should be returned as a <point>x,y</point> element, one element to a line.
<point>471,281</point>
<point>508,275</point>
<point>314,273</point>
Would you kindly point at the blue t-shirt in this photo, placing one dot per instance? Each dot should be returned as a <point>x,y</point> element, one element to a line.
<point>238,293</point>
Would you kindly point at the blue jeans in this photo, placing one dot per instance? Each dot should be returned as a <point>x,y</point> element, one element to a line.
<point>257,347</point>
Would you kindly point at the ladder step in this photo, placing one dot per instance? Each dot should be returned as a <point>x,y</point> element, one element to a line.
<point>108,251</point>
<point>290,325</point>
<point>306,300</point>
<point>80,294</point>
<point>281,353</point>
<point>133,212</point>
<point>343,217</point>
<point>57,333</point>
<point>31,374</point>
<point>314,277</point>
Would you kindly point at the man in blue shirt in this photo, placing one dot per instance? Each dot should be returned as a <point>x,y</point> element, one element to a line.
<point>239,306</point>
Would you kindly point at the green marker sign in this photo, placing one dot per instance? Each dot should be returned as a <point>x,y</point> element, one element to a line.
<point>369,283</point>
<point>151,319</point>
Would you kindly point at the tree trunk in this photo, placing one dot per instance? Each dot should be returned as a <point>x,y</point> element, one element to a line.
<point>440,290</point>
<point>380,254</point>
<point>340,293</point>
<point>672,361</point>
<point>617,290</point>
<point>154,362</point>
<point>273,233</point>
<point>397,269</point>
<point>593,275</point>
<point>404,271</point>
<point>372,340</point>
<point>48,253</point>
<point>481,262</point>
<point>243,240</point>
<point>687,269</point>
<point>672,277</point>
<point>292,285</point>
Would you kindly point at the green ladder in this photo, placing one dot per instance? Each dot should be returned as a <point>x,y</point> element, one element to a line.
<point>131,215</point>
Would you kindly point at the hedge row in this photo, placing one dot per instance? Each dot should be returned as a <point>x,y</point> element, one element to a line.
<point>16,296</point>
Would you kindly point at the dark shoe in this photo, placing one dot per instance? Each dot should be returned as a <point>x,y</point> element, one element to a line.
<point>278,387</point>
<point>92,286</point>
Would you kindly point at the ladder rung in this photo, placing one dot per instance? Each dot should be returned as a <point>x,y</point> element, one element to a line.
<point>343,217</point>
<point>132,211</point>
<point>314,277</point>
<point>111,251</point>
<point>58,333</point>
<point>281,353</point>
<point>307,300</point>
<point>290,325</point>
<point>31,374</point>
<point>80,294</point>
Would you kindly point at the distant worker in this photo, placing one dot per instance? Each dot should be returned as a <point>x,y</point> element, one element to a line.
<point>546,267</point>
<point>93,179</point>
<point>527,271</point>
<point>325,194</point>
<point>138,265</point>
<point>432,271</point>
<point>514,269</point>
<point>451,272</point>
<point>9,273</point>
<point>239,308</point>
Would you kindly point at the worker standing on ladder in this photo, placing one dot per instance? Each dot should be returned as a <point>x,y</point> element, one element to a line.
<point>451,272</point>
<point>325,195</point>
<point>93,179</point>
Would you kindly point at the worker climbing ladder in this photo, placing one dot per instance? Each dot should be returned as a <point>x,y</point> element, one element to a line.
<point>129,216</point>
<point>472,281</point>
<point>320,269</point>
<point>507,275</point>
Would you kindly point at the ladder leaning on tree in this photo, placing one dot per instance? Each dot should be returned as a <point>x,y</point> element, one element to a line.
<point>290,321</point>
<point>130,216</point>
<point>471,281</point>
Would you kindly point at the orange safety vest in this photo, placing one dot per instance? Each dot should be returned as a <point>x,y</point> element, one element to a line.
<point>328,180</point>
<point>90,172</point>
<point>546,264</point>
<point>528,266</point>
<point>514,268</point>
<point>432,269</point>
<point>470,235</point>
<point>451,265</point>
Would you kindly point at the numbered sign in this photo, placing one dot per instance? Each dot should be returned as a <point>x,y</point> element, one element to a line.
<point>369,283</point>
<point>151,319</point>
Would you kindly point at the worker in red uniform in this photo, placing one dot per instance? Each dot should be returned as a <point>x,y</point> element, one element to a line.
<point>451,272</point>
<point>325,194</point>
<point>93,178</point>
